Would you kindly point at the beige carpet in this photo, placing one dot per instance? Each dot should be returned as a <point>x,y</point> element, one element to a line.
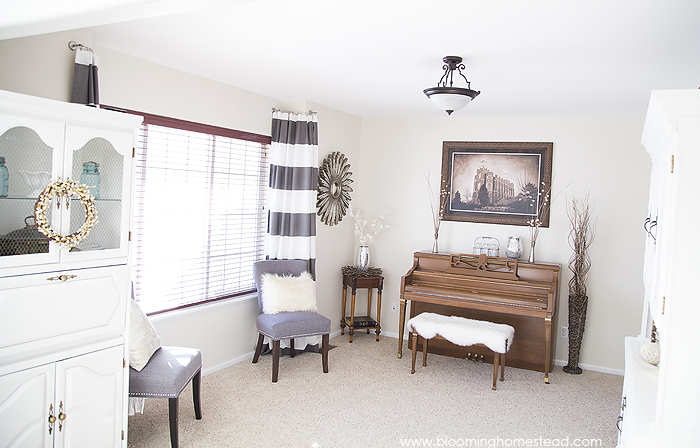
<point>370,399</point>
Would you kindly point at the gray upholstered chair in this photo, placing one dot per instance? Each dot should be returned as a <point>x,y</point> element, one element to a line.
<point>287,325</point>
<point>167,373</point>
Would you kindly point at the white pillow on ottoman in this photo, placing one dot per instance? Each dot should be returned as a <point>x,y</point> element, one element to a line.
<point>282,294</point>
<point>143,339</point>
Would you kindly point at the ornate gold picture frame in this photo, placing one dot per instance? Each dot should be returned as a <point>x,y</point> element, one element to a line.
<point>497,182</point>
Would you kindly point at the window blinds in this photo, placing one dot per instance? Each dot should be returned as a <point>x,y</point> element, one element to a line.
<point>199,219</point>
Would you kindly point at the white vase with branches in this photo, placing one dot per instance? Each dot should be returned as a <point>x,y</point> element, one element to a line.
<point>367,231</point>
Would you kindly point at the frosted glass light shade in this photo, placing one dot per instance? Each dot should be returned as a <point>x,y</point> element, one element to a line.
<point>450,99</point>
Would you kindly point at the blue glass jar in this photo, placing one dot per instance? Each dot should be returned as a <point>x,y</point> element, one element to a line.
<point>4,178</point>
<point>91,177</point>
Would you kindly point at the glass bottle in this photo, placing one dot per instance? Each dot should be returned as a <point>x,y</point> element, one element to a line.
<point>4,178</point>
<point>513,248</point>
<point>91,177</point>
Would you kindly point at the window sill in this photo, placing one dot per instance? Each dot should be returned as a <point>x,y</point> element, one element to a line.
<point>202,308</point>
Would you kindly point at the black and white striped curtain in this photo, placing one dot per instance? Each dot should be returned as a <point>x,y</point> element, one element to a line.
<point>291,198</point>
<point>85,87</point>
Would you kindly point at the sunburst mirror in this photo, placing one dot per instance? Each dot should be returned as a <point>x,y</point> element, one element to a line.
<point>333,188</point>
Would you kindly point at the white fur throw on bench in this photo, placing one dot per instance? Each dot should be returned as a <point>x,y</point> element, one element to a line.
<point>463,331</point>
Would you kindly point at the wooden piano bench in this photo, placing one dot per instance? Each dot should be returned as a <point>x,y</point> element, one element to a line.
<point>464,332</point>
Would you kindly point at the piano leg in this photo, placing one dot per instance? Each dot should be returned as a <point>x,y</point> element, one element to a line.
<point>402,322</point>
<point>547,348</point>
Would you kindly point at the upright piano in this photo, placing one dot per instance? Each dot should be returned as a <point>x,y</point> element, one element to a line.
<point>523,295</point>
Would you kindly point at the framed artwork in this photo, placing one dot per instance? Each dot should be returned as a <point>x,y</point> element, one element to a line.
<point>496,183</point>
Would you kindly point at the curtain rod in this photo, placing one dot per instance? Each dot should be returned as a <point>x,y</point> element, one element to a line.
<point>311,112</point>
<point>73,45</point>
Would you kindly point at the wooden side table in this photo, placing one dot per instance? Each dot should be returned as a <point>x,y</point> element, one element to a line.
<point>353,322</point>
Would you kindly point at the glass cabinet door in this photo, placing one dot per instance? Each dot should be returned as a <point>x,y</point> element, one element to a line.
<point>31,153</point>
<point>101,160</point>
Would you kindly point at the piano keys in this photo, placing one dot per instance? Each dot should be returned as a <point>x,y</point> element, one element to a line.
<point>523,295</point>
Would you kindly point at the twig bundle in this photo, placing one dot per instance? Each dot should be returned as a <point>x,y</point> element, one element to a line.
<point>438,205</point>
<point>581,237</point>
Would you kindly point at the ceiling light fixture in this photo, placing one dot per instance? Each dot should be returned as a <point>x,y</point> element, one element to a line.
<point>447,97</point>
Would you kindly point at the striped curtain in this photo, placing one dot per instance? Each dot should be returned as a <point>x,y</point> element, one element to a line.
<point>291,199</point>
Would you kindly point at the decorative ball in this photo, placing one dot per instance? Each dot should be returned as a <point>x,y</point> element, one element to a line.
<point>651,352</point>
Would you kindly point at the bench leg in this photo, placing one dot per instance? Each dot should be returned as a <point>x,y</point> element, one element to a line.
<point>196,394</point>
<point>503,364</point>
<point>173,412</point>
<point>291,348</point>
<point>414,342</point>
<point>425,351</point>
<point>496,358</point>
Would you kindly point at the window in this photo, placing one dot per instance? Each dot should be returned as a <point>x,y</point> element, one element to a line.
<point>199,217</point>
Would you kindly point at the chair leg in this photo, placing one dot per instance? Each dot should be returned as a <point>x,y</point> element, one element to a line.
<point>291,348</point>
<point>196,395</point>
<point>258,348</point>
<point>325,342</point>
<point>275,360</point>
<point>173,411</point>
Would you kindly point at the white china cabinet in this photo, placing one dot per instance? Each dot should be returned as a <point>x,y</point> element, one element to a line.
<point>63,311</point>
<point>661,404</point>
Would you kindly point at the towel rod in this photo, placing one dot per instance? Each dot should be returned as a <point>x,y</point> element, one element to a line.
<point>73,45</point>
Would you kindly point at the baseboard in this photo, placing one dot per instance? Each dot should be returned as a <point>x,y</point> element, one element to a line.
<point>244,357</point>
<point>557,362</point>
<point>248,356</point>
<point>228,363</point>
<point>593,368</point>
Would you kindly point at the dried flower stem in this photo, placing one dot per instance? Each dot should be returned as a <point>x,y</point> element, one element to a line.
<point>366,231</point>
<point>437,205</point>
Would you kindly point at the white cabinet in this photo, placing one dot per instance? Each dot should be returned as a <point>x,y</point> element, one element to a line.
<point>69,403</point>
<point>63,311</point>
<point>661,406</point>
<point>43,140</point>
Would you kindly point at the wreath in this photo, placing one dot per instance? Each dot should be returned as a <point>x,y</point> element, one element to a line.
<point>65,189</point>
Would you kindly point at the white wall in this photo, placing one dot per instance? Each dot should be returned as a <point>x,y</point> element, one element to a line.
<point>225,332</point>
<point>389,158</point>
<point>599,155</point>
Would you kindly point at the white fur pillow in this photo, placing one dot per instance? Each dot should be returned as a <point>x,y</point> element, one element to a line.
<point>287,293</point>
<point>143,339</point>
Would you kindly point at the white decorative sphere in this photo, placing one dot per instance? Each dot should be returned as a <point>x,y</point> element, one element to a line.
<point>651,352</point>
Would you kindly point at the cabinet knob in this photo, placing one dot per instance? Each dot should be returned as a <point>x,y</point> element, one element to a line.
<point>61,416</point>
<point>52,419</point>
<point>62,278</point>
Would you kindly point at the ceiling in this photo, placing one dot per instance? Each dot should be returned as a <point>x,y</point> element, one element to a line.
<point>373,58</point>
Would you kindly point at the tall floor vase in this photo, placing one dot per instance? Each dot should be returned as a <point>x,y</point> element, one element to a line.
<point>577,323</point>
